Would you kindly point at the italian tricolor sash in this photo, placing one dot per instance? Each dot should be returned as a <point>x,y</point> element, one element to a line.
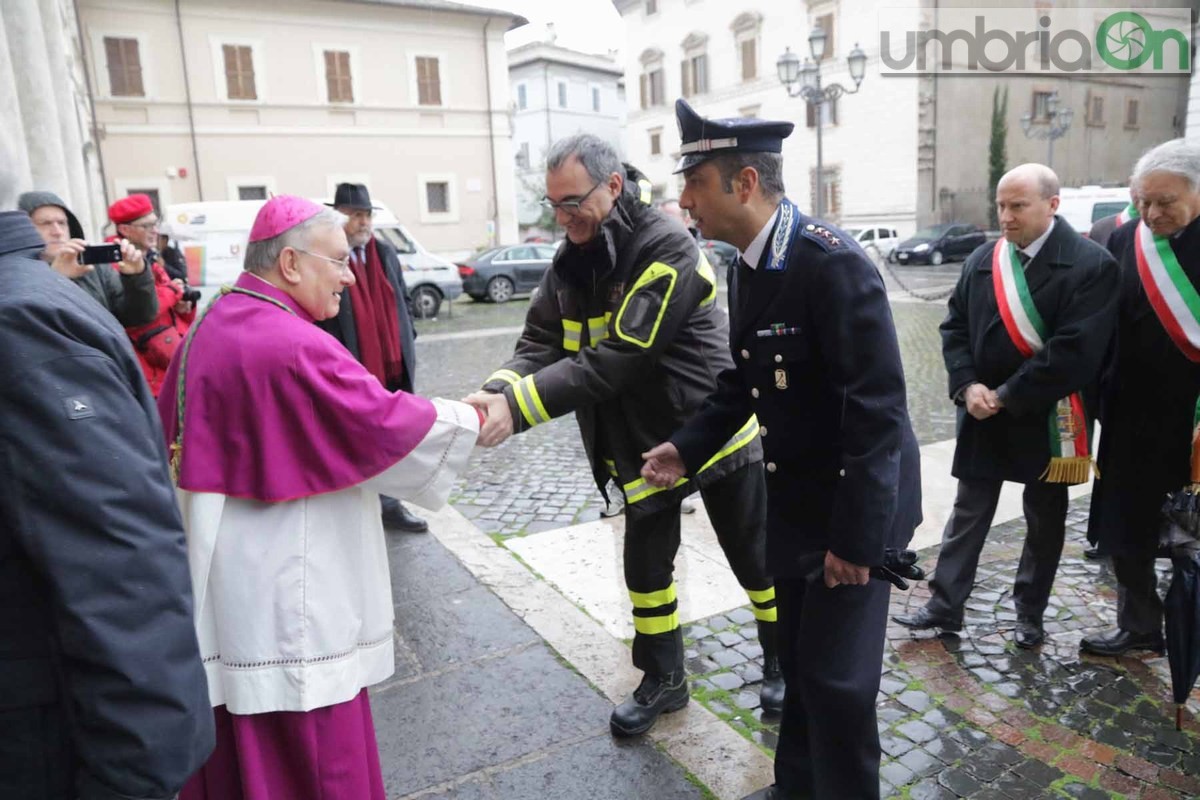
<point>1176,303</point>
<point>1069,426</point>
<point>1129,212</point>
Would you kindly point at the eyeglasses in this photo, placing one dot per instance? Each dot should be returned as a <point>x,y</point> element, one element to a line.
<point>569,206</point>
<point>343,264</point>
<point>143,225</point>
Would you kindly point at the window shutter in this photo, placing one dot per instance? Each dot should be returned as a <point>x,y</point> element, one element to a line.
<point>685,78</point>
<point>645,86</point>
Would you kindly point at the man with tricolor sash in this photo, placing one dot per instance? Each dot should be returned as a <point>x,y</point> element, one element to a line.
<point>1150,387</point>
<point>1027,329</point>
<point>625,332</point>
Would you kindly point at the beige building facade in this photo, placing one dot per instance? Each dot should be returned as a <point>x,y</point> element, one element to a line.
<point>225,100</point>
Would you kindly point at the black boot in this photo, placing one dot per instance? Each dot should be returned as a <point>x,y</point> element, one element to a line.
<point>770,696</point>
<point>657,694</point>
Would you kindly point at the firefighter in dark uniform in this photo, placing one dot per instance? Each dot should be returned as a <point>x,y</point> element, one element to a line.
<point>818,362</point>
<point>625,331</point>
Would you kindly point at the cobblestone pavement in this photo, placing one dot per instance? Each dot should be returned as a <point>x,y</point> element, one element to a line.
<point>540,480</point>
<point>969,716</point>
<point>976,717</point>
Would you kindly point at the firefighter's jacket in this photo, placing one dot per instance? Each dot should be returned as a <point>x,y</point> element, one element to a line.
<point>626,332</point>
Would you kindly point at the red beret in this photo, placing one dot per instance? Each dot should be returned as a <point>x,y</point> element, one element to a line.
<point>127,209</point>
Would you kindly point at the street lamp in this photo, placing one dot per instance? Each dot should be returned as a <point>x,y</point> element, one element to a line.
<point>804,81</point>
<point>1058,122</point>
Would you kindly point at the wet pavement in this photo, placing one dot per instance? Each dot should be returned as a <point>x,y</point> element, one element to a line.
<point>487,704</point>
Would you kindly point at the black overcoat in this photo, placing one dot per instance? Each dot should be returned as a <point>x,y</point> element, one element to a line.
<point>1074,287</point>
<point>1149,398</point>
<point>343,329</point>
<point>843,467</point>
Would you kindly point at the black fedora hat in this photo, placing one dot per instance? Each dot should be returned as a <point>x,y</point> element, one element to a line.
<point>352,195</point>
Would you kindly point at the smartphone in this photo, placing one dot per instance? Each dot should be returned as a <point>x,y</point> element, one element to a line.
<point>100,254</point>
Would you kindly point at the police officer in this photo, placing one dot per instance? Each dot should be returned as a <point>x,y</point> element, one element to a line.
<point>817,360</point>
<point>625,331</point>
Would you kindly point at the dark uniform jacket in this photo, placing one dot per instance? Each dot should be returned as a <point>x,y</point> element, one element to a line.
<point>102,692</point>
<point>343,329</point>
<point>626,332</point>
<point>1149,392</point>
<point>843,467</point>
<point>1073,283</point>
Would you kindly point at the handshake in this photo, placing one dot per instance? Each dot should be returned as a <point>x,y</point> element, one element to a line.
<point>497,419</point>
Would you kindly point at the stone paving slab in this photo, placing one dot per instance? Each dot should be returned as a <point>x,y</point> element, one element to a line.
<point>609,770</point>
<point>481,708</point>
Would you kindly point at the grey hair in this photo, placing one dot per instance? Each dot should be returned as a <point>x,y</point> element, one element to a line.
<point>1178,156</point>
<point>769,167</point>
<point>262,256</point>
<point>596,155</point>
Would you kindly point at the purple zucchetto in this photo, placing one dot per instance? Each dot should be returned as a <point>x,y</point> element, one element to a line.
<point>280,213</point>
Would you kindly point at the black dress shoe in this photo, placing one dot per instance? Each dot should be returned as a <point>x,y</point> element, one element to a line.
<point>1094,554</point>
<point>1029,633</point>
<point>396,516</point>
<point>770,696</point>
<point>923,619</point>
<point>657,694</point>
<point>1117,642</point>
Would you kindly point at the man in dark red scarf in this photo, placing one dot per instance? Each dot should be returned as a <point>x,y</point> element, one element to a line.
<point>376,324</point>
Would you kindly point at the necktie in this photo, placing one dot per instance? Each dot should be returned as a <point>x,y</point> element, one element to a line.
<point>1023,257</point>
<point>744,276</point>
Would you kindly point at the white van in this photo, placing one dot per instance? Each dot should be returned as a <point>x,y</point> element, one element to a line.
<point>213,237</point>
<point>1083,206</point>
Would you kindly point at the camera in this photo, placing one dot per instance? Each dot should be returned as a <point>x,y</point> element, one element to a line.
<point>190,295</point>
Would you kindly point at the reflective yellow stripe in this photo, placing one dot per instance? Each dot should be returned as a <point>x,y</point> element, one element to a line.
<point>506,375</point>
<point>765,614</point>
<point>598,328</point>
<point>612,466</point>
<point>763,597</point>
<point>529,401</point>
<point>640,489</point>
<point>652,273</point>
<point>651,626</point>
<point>653,599</point>
<point>646,193</point>
<point>572,335</point>
<point>709,274</point>
<point>739,440</point>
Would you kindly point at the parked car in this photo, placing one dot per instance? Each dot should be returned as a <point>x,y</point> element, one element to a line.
<point>719,254</point>
<point>950,241</point>
<point>882,239</point>
<point>502,272</point>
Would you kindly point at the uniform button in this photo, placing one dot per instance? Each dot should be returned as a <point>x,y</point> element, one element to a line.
<point>778,358</point>
<point>762,431</point>
<point>754,393</point>
<point>842,472</point>
<point>745,354</point>
<point>771,466</point>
